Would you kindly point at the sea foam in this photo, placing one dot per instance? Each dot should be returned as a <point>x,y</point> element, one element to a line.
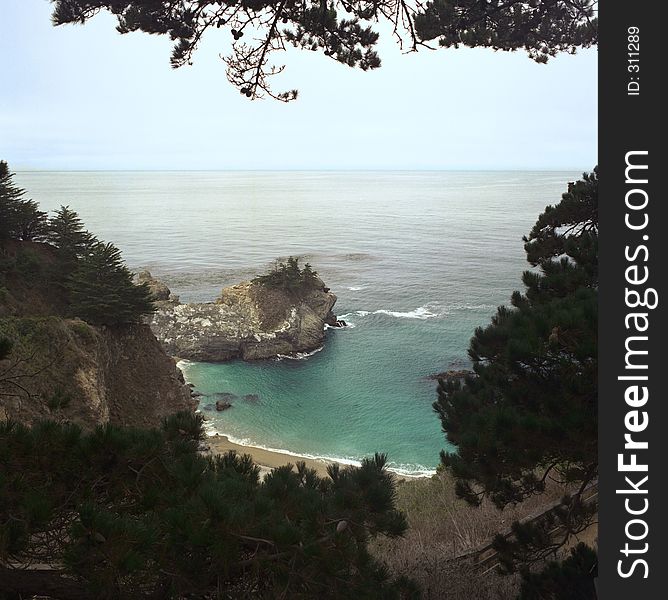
<point>430,310</point>
<point>299,355</point>
<point>406,470</point>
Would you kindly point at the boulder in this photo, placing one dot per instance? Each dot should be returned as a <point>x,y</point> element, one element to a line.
<point>159,291</point>
<point>453,375</point>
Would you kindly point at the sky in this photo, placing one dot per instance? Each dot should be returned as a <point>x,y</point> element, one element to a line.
<point>88,98</point>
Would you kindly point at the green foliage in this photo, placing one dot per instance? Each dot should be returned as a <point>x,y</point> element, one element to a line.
<point>66,233</point>
<point>572,579</point>
<point>289,277</point>
<point>99,286</point>
<point>530,411</point>
<point>82,330</point>
<point>535,540</point>
<point>344,31</point>
<point>101,289</point>
<point>20,219</point>
<point>28,262</point>
<point>541,27</point>
<point>569,229</point>
<point>140,513</point>
<point>90,274</point>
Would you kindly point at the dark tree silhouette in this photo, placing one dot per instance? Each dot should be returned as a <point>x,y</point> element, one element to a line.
<point>20,218</point>
<point>343,29</point>
<point>121,513</point>
<point>571,579</point>
<point>67,234</point>
<point>530,410</point>
<point>101,290</point>
<point>290,277</point>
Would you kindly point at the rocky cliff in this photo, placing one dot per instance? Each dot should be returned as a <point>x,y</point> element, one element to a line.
<point>66,369</point>
<point>249,321</point>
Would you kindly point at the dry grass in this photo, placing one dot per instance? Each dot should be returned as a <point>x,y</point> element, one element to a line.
<point>443,527</point>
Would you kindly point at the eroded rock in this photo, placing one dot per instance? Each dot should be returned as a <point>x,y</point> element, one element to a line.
<point>248,321</point>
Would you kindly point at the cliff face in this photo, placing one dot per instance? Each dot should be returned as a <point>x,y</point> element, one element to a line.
<point>66,369</point>
<point>248,321</point>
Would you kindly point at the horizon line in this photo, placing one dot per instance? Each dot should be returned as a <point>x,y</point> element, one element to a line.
<point>311,170</point>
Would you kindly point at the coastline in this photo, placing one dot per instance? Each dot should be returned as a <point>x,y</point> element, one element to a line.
<point>265,459</point>
<point>270,459</point>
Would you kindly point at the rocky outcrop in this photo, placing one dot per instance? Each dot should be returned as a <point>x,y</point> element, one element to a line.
<point>452,375</point>
<point>69,370</point>
<point>249,321</point>
<point>162,295</point>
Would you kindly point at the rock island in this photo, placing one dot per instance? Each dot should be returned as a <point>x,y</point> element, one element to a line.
<point>283,312</point>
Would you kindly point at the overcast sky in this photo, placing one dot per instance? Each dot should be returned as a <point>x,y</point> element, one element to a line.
<point>86,97</point>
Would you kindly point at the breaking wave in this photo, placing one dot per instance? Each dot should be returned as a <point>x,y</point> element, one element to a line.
<point>407,470</point>
<point>431,310</point>
<point>298,355</point>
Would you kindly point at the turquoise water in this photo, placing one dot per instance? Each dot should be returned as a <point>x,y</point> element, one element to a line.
<point>417,259</point>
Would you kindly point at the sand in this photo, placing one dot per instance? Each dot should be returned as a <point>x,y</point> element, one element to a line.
<point>266,459</point>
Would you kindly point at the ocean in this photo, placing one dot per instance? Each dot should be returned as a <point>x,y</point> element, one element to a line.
<point>418,260</point>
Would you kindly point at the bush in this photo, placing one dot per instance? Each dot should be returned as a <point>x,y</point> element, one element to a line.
<point>289,277</point>
<point>82,330</point>
<point>28,263</point>
<point>132,513</point>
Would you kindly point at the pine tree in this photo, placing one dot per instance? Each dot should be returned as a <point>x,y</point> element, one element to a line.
<point>20,219</point>
<point>571,579</point>
<point>101,290</point>
<point>122,513</point>
<point>67,234</point>
<point>530,410</point>
<point>345,31</point>
<point>289,277</point>
<point>9,197</point>
<point>29,223</point>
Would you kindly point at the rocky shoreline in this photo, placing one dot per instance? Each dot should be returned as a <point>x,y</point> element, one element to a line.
<point>248,321</point>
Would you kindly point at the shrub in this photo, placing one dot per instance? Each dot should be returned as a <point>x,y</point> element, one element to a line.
<point>131,513</point>
<point>289,277</point>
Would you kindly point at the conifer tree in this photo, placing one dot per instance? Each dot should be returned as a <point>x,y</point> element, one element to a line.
<point>121,513</point>
<point>345,30</point>
<point>101,290</point>
<point>530,410</point>
<point>29,223</point>
<point>571,579</point>
<point>290,277</point>
<point>20,219</point>
<point>67,234</point>
<point>10,195</point>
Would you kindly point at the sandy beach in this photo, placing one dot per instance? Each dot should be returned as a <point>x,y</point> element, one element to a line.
<point>266,459</point>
